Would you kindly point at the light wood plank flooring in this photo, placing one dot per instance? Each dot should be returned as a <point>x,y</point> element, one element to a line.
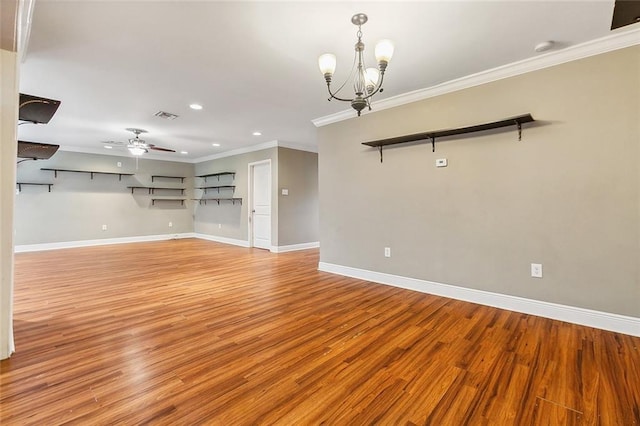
<point>193,332</point>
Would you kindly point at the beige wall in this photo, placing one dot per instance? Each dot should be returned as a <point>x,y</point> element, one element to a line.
<point>298,211</point>
<point>567,196</point>
<point>8,147</point>
<point>78,206</point>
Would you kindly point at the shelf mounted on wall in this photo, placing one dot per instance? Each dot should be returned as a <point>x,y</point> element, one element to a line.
<point>153,177</point>
<point>432,135</point>
<point>152,189</point>
<point>232,174</point>
<point>217,200</point>
<point>20,184</point>
<point>91,172</point>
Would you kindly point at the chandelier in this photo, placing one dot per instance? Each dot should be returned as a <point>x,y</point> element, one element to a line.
<point>366,81</point>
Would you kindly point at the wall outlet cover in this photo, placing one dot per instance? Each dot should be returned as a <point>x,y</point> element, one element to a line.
<point>536,270</point>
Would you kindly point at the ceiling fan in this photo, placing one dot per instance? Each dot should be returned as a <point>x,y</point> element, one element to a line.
<point>137,146</point>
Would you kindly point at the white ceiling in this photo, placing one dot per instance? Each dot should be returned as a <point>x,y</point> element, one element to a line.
<point>253,65</point>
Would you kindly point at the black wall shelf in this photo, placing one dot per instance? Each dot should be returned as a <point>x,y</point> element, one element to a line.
<point>217,200</point>
<point>20,184</point>
<point>432,135</point>
<point>153,177</point>
<point>217,175</point>
<point>217,187</point>
<point>152,189</point>
<point>91,172</point>
<point>153,200</point>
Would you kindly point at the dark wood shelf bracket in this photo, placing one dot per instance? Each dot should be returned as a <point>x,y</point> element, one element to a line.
<point>517,121</point>
<point>152,189</point>
<point>91,172</point>
<point>233,174</point>
<point>167,177</point>
<point>153,200</point>
<point>217,200</point>
<point>33,184</point>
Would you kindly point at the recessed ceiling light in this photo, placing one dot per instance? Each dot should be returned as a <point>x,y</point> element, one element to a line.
<point>257,134</point>
<point>195,106</point>
<point>108,147</point>
<point>183,152</point>
<point>215,144</point>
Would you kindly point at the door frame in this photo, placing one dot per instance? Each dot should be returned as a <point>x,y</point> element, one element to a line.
<point>250,174</point>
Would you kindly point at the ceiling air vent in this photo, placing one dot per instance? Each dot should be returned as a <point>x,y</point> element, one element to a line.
<point>35,150</point>
<point>166,115</point>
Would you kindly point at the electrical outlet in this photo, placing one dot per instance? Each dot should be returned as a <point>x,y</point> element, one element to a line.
<point>536,270</point>
<point>104,227</point>
<point>387,252</point>
<point>170,224</point>
<point>219,226</point>
<point>119,163</point>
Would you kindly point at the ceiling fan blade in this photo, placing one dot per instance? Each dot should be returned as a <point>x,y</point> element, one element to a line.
<point>112,143</point>
<point>158,148</point>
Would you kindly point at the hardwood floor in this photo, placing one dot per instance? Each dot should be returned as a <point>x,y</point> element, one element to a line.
<point>194,332</point>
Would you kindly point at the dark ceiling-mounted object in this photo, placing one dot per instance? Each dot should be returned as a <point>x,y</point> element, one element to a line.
<point>35,150</point>
<point>625,12</point>
<point>36,109</point>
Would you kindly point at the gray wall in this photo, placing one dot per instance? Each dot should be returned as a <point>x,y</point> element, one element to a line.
<point>295,217</point>
<point>78,206</point>
<point>227,220</point>
<point>297,212</point>
<point>567,196</point>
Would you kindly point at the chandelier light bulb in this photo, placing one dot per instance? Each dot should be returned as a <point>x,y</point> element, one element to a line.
<point>384,51</point>
<point>372,77</point>
<point>327,63</point>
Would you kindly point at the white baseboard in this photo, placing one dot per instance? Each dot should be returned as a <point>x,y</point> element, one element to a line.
<point>295,247</point>
<point>101,242</point>
<point>106,241</point>
<point>224,240</point>
<point>603,320</point>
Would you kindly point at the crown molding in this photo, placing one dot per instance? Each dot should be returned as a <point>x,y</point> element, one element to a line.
<point>298,147</point>
<point>159,157</point>
<point>259,147</point>
<point>238,151</point>
<point>606,44</point>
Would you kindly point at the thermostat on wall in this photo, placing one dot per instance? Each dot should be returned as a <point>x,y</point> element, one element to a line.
<point>441,162</point>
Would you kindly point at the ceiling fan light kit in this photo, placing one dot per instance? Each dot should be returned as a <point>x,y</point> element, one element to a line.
<point>366,81</point>
<point>137,146</point>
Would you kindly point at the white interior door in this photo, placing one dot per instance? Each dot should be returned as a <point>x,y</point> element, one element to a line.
<point>261,205</point>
